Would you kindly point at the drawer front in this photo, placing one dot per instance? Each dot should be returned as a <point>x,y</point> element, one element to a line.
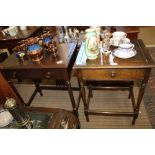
<point>113,74</point>
<point>35,74</point>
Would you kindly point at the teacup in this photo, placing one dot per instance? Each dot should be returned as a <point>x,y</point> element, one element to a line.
<point>126,46</point>
<point>118,36</point>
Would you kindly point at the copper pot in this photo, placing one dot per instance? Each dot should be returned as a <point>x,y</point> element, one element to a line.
<point>35,55</point>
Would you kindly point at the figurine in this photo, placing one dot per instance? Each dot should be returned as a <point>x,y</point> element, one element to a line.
<point>70,33</point>
<point>111,59</point>
<point>52,47</point>
<point>76,33</point>
<point>106,43</point>
<point>46,38</point>
<point>66,37</point>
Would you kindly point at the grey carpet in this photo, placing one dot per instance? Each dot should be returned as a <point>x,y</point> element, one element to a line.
<point>149,96</point>
<point>106,100</point>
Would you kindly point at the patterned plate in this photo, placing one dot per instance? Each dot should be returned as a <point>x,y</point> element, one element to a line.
<point>124,54</point>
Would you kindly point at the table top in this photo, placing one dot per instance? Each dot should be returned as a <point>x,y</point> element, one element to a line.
<point>22,34</point>
<point>141,60</point>
<point>65,53</point>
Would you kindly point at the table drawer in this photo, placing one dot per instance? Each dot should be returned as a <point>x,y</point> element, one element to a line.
<point>113,74</point>
<point>34,74</point>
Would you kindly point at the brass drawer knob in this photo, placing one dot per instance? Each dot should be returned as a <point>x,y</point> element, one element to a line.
<point>48,75</point>
<point>113,74</point>
<point>13,74</point>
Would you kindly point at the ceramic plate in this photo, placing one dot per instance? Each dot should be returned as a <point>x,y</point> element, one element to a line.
<point>113,44</point>
<point>124,55</point>
<point>5,118</point>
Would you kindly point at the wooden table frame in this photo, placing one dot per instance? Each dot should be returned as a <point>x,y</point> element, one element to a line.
<point>136,68</point>
<point>48,68</point>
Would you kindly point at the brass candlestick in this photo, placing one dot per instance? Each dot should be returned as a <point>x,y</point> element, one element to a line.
<point>23,120</point>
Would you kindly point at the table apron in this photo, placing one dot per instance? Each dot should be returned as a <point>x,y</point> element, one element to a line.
<point>111,74</point>
<point>36,74</point>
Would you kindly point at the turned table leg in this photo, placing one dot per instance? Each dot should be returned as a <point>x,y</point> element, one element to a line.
<point>70,92</point>
<point>140,95</point>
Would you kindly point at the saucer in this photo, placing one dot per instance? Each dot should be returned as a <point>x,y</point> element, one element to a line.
<point>124,54</point>
<point>116,44</point>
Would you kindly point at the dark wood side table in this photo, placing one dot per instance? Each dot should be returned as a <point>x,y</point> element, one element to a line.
<point>48,68</point>
<point>132,69</point>
<point>10,42</point>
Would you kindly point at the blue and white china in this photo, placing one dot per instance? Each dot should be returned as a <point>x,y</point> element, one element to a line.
<point>125,50</point>
<point>117,37</point>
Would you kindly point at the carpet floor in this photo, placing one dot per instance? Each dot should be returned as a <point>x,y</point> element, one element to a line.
<point>149,96</point>
<point>101,100</point>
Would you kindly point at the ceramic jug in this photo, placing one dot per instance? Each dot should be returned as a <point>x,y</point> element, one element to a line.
<point>91,46</point>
